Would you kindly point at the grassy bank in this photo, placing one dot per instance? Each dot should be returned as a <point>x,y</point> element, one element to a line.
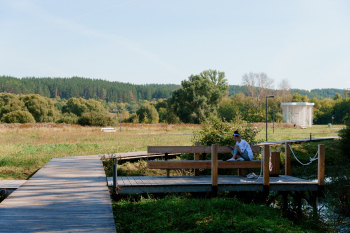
<point>183,214</point>
<point>27,147</point>
<point>24,150</point>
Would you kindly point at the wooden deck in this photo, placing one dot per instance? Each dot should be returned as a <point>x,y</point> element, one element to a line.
<point>11,184</point>
<point>66,195</point>
<point>161,184</point>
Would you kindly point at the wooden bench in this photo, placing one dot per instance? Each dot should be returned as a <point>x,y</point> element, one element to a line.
<point>199,164</point>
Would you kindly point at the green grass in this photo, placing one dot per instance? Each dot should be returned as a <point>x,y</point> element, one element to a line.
<point>183,214</point>
<point>24,151</point>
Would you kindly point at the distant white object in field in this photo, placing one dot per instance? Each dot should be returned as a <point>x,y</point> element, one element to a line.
<point>108,130</point>
<point>298,113</point>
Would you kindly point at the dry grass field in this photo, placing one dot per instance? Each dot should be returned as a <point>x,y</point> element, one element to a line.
<point>25,148</point>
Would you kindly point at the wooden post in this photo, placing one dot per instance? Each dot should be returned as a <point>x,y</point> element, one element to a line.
<point>321,167</point>
<point>266,168</point>
<point>275,164</point>
<point>167,170</point>
<point>196,157</point>
<point>287,166</point>
<point>214,168</point>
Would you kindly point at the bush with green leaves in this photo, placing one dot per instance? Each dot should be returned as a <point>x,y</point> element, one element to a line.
<point>148,114</point>
<point>18,116</point>
<point>68,118</point>
<point>95,119</point>
<point>42,108</point>
<point>214,131</point>
<point>345,138</point>
<point>10,103</point>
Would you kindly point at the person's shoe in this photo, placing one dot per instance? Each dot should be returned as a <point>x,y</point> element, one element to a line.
<point>231,159</point>
<point>240,159</point>
<point>252,176</point>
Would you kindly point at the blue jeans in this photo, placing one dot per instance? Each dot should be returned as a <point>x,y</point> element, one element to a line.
<point>244,155</point>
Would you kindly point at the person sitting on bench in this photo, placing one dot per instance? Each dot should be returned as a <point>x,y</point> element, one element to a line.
<point>242,150</point>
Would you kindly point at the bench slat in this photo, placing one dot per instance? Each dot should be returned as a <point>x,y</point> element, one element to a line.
<point>201,164</point>
<point>192,149</point>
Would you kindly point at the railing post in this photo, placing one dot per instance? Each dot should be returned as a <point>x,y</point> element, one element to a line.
<point>321,168</point>
<point>274,164</point>
<point>287,163</point>
<point>167,170</point>
<point>114,175</point>
<point>214,169</point>
<point>266,169</point>
<point>196,157</point>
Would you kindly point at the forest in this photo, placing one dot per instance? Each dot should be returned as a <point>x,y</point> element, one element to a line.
<point>100,102</point>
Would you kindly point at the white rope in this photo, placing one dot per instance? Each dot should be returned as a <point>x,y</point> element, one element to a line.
<point>305,164</point>
<point>261,168</point>
<point>278,148</point>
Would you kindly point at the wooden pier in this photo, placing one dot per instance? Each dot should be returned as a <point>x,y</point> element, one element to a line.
<point>66,195</point>
<point>163,184</point>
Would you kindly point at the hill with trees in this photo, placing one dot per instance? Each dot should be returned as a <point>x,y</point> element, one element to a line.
<point>86,88</point>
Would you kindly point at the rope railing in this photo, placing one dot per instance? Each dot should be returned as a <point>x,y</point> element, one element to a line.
<point>304,164</point>
<point>261,168</point>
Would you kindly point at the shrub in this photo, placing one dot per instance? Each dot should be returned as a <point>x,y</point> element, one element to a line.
<point>214,131</point>
<point>68,118</point>
<point>148,114</point>
<point>18,117</point>
<point>345,139</point>
<point>95,119</point>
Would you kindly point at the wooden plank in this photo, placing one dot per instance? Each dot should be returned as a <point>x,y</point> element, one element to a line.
<point>191,149</point>
<point>321,164</point>
<point>201,164</point>
<point>66,195</point>
<point>275,163</point>
<point>266,168</point>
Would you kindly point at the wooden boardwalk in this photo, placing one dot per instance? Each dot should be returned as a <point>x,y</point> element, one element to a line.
<point>11,184</point>
<point>66,195</point>
<point>160,184</point>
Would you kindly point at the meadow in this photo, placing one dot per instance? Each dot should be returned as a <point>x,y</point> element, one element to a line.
<point>25,148</point>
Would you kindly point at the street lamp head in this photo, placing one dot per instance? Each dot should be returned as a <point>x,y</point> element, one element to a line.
<point>270,96</point>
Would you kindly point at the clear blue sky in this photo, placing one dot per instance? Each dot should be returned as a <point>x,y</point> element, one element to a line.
<point>161,41</point>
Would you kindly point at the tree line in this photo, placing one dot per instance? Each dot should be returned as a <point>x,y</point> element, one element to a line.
<point>98,89</point>
<point>198,97</point>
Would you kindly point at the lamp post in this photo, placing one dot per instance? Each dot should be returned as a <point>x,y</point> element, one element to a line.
<point>268,96</point>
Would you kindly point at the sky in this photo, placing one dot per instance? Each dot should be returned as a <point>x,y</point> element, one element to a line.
<point>162,41</point>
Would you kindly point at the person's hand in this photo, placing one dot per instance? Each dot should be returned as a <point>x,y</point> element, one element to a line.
<point>236,146</point>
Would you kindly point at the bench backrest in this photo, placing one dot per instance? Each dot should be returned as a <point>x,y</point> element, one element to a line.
<point>192,149</point>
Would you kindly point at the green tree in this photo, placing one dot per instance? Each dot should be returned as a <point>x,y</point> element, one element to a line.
<point>196,99</point>
<point>42,108</point>
<point>10,103</point>
<point>76,106</point>
<point>148,114</point>
<point>18,116</point>
<point>228,110</point>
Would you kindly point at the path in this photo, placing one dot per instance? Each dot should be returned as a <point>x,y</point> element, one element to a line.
<point>66,195</point>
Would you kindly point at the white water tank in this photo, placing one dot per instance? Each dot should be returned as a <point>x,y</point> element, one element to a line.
<point>299,113</point>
